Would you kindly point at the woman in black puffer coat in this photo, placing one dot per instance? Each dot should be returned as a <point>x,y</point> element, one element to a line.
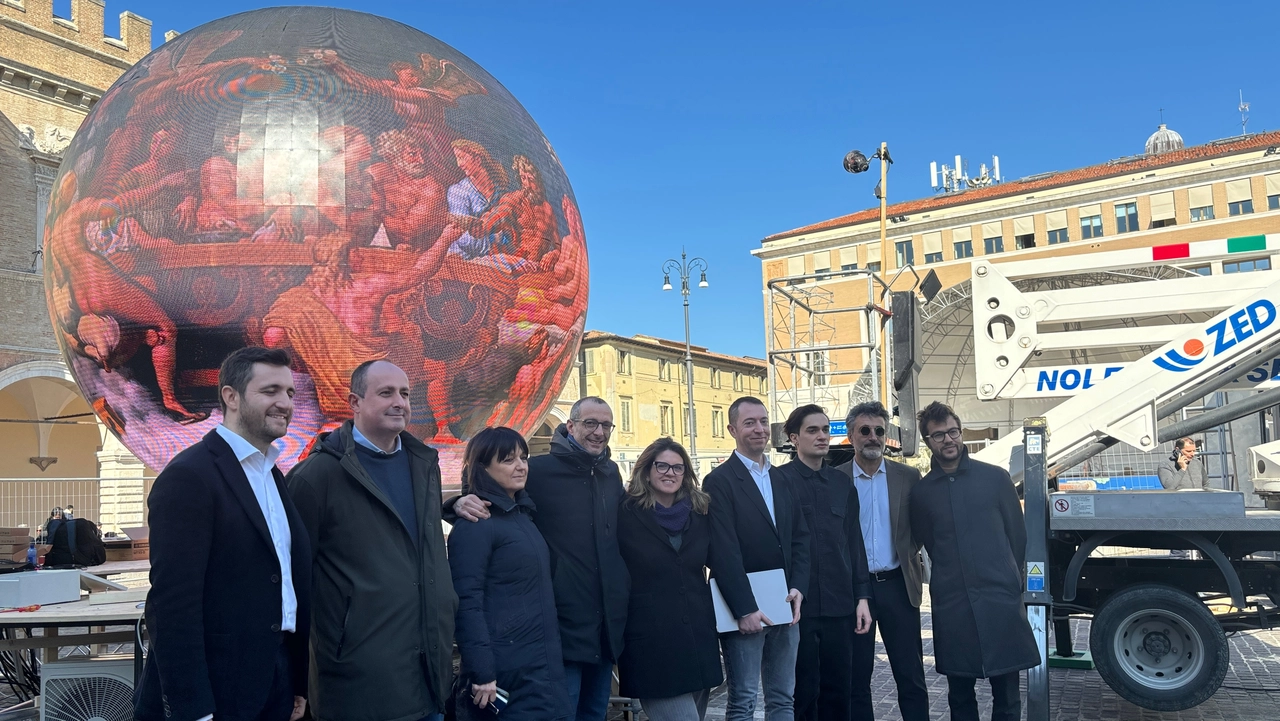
<point>507,630</point>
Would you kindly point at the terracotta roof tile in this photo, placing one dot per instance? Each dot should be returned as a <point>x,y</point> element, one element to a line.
<point>1121,166</point>
<point>671,345</point>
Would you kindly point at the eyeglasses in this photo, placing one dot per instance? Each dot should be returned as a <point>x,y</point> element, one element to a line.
<point>591,424</point>
<point>940,436</point>
<point>673,468</point>
<point>868,430</point>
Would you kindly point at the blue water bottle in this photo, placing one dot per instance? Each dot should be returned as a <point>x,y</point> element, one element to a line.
<point>31,554</point>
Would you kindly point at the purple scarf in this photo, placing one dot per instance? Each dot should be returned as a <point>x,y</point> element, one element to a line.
<point>674,520</point>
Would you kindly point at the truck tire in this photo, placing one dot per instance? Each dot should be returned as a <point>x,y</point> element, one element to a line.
<point>1159,647</point>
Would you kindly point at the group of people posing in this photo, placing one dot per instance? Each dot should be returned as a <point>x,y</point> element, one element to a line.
<point>333,589</point>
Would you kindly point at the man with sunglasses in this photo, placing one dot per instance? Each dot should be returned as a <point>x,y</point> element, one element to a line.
<point>967,515</point>
<point>893,559</point>
<point>836,610</point>
<point>577,490</point>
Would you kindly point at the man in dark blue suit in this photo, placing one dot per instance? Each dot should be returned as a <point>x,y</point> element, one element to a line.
<point>228,612</point>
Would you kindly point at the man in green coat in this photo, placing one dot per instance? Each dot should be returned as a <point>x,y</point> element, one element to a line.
<point>382,595</point>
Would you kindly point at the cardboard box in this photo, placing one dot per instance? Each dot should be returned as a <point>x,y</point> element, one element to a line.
<point>20,555</point>
<point>128,550</point>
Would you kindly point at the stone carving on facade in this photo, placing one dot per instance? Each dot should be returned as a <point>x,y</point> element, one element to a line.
<point>52,141</point>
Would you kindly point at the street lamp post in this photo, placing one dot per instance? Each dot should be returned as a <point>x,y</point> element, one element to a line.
<point>856,162</point>
<point>686,267</point>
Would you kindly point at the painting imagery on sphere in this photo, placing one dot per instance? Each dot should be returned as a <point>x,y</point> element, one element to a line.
<point>325,181</point>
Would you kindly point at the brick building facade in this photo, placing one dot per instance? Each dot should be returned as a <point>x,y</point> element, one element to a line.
<point>53,70</point>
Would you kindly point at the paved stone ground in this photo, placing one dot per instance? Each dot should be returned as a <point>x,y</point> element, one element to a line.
<point>1077,695</point>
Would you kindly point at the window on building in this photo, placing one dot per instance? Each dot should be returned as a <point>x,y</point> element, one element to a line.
<point>1126,217</point>
<point>624,413</point>
<point>1024,232</point>
<point>963,249</point>
<point>993,245</point>
<point>822,264</point>
<point>1058,236</point>
<point>818,364</point>
<point>684,418</point>
<point>1090,226</point>
<point>667,419</point>
<point>849,258</point>
<point>717,422</point>
<point>1024,241</point>
<point>737,381</point>
<point>664,369</point>
<point>933,257</point>
<point>1202,269</point>
<point>1247,266</point>
<point>1163,223</point>
<point>1204,213</point>
<point>906,255</point>
<point>624,362</point>
<point>715,378</point>
<point>1162,210</point>
<point>1273,202</point>
<point>874,267</point>
<point>1239,196</point>
<point>591,361</point>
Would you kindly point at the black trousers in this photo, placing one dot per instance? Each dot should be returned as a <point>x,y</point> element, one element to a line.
<point>1006,698</point>
<point>899,624</point>
<point>279,705</point>
<point>824,666</point>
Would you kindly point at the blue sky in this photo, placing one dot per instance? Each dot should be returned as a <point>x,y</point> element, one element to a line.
<point>710,125</point>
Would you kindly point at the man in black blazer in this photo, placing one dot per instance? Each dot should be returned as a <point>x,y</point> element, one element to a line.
<point>228,611</point>
<point>755,526</point>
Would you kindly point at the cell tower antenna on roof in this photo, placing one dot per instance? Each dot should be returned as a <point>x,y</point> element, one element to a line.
<point>1244,115</point>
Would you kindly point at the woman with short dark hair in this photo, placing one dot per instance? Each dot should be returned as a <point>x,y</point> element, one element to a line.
<point>507,630</point>
<point>671,657</point>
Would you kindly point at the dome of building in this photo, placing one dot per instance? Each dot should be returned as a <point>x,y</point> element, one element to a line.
<point>1163,140</point>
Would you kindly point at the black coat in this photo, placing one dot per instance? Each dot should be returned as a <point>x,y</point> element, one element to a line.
<point>506,625</point>
<point>577,499</point>
<point>971,524</point>
<point>746,539</point>
<point>671,643</point>
<point>213,611</point>
<point>382,641</point>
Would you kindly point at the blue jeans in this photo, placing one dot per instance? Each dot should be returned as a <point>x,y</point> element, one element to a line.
<point>589,686</point>
<point>768,656</point>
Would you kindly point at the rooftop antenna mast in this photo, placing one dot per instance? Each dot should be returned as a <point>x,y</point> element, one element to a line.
<point>1244,115</point>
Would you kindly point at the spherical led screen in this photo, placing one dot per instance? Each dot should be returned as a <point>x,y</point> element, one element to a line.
<point>328,182</point>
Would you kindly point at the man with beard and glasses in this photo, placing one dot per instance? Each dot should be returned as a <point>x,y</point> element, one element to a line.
<point>967,515</point>
<point>893,558</point>
<point>228,612</point>
<point>369,497</point>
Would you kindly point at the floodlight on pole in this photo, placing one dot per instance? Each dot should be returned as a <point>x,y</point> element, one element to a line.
<point>856,162</point>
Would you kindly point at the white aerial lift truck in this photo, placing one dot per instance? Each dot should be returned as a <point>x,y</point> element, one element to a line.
<point>1154,638</point>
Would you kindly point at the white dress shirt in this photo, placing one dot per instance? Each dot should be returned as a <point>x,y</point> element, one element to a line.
<point>873,512</point>
<point>257,468</point>
<point>760,474</point>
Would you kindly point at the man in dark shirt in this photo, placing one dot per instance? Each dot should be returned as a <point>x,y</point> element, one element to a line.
<point>839,584</point>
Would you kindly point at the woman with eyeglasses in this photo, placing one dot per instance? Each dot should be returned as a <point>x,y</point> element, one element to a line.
<point>671,658</point>
<point>507,629</point>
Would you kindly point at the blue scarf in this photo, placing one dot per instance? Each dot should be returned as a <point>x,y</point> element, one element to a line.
<point>674,520</point>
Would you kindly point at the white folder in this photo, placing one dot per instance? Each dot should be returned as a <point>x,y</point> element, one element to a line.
<point>770,590</point>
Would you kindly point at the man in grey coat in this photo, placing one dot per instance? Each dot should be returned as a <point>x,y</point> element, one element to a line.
<point>1181,470</point>
<point>383,602</point>
<point>967,516</point>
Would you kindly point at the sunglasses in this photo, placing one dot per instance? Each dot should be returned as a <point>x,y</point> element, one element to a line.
<point>868,430</point>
